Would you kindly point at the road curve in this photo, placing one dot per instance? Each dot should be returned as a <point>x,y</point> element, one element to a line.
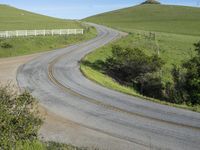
<point>55,79</point>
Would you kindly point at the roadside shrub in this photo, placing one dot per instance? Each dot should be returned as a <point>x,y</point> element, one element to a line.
<point>186,88</point>
<point>178,94</point>
<point>18,120</point>
<point>133,67</point>
<point>151,86</point>
<point>192,76</point>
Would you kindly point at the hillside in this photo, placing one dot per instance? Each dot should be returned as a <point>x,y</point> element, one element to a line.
<point>16,19</point>
<point>161,18</point>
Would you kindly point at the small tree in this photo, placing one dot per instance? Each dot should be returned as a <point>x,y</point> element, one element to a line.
<point>192,85</point>
<point>179,94</point>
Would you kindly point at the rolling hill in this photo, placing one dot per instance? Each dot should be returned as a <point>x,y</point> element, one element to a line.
<point>16,19</point>
<point>150,17</point>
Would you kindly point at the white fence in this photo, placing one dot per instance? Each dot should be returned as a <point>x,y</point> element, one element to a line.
<point>17,33</point>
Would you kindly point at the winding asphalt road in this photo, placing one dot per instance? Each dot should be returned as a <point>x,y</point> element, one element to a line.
<point>55,79</point>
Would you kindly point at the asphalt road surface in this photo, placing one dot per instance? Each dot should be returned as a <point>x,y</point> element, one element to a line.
<point>55,79</point>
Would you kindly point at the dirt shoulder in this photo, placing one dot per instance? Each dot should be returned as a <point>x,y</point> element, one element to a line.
<point>9,66</point>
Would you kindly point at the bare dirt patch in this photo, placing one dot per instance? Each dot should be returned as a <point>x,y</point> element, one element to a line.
<point>9,66</point>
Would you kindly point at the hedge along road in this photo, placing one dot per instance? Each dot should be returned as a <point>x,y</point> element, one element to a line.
<point>127,122</point>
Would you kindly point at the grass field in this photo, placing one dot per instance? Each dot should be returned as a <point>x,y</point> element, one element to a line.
<point>160,18</point>
<point>176,29</point>
<point>16,19</point>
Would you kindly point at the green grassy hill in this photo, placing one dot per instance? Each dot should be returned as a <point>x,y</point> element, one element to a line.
<point>16,19</point>
<point>148,17</point>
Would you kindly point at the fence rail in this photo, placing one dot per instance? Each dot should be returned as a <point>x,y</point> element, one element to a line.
<point>18,33</point>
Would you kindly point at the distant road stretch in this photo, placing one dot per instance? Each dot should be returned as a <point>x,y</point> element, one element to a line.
<point>55,79</point>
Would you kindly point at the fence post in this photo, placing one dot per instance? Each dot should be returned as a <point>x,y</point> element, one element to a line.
<point>44,33</point>
<point>52,32</point>
<point>26,33</point>
<point>35,33</point>
<point>17,33</point>
<point>60,31</point>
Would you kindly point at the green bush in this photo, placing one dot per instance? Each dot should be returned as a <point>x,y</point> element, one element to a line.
<point>192,82</point>
<point>151,86</point>
<point>18,120</point>
<point>178,94</point>
<point>186,88</point>
<point>133,67</point>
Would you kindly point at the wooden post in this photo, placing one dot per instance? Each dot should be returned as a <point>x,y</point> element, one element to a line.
<point>17,34</point>
<point>35,33</point>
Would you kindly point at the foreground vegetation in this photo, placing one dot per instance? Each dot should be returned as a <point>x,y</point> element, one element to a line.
<point>20,122</point>
<point>16,19</point>
<point>173,44</point>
